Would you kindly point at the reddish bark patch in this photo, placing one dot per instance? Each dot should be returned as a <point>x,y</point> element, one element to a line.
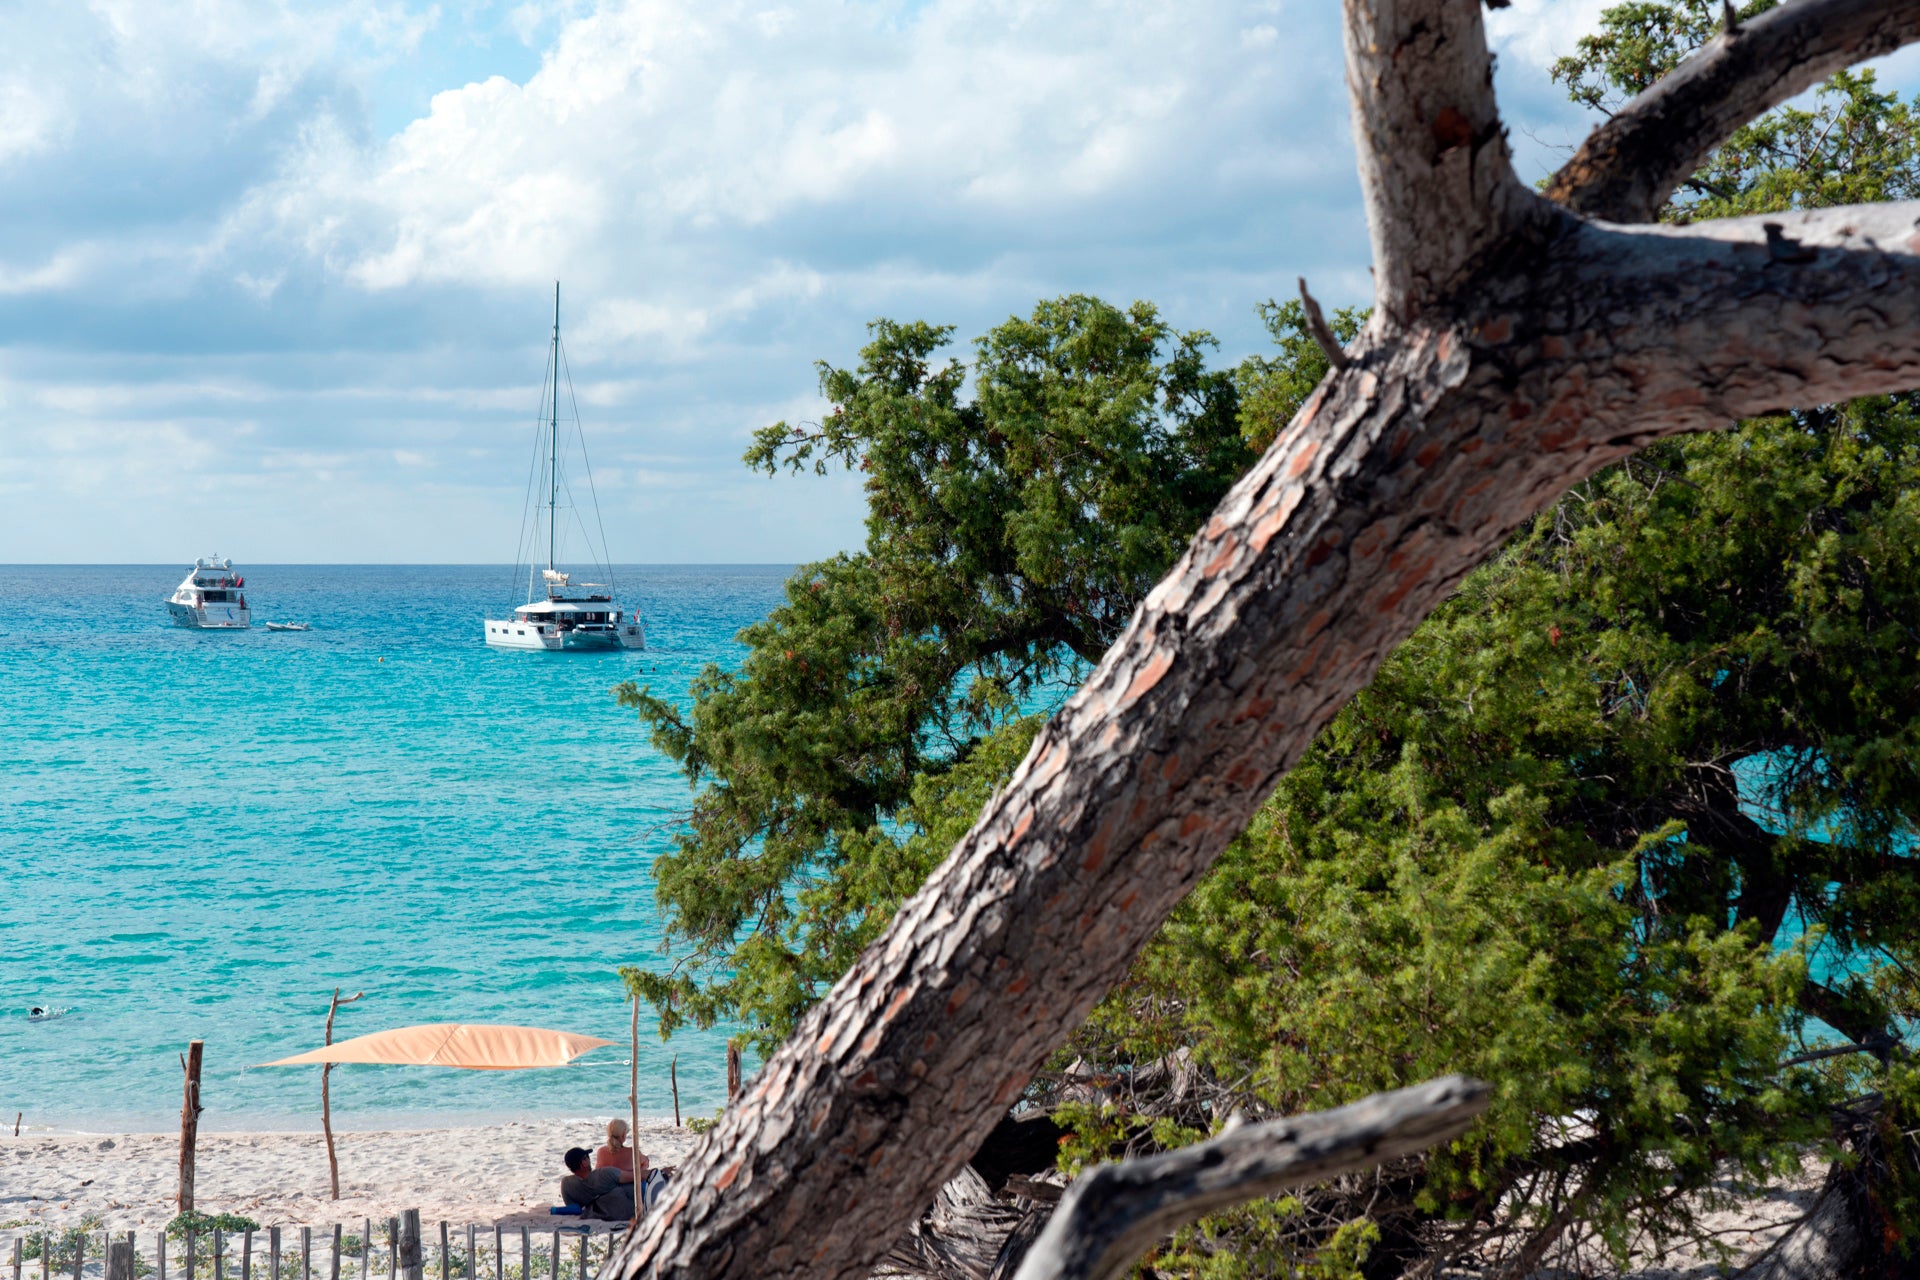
<point>1158,665</point>
<point>1428,456</point>
<point>961,994</point>
<point>1227,551</point>
<point>1451,129</point>
<point>1302,459</point>
<point>728,1174</point>
<point>1496,330</point>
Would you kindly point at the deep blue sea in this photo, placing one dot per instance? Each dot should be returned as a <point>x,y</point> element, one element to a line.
<point>205,833</point>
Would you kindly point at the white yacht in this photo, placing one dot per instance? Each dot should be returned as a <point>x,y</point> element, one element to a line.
<point>561,614</point>
<point>212,597</point>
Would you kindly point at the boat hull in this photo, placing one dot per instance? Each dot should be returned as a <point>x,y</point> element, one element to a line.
<point>513,634</point>
<point>218,617</point>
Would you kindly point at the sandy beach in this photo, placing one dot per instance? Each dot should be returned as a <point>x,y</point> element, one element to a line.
<point>504,1174</point>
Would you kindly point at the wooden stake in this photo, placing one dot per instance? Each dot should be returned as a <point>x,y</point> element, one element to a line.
<point>306,1253</point>
<point>673,1074</point>
<point>366,1248</point>
<point>17,1250</point>
<point>393,1249</point>
<point>526,1256</point>
<point>190,1275</point>
<point>119,1259</point>
<point>246,1254</point>
<point>445,1261</point>
<point>79,1254</point>
<point>333,1272</point>
<point>472,1269</point>
<point>499,1256</point>
<point>633,1127</point>
<point>326,1105</point>
<point>160,1252</point>
<point>409,1261</point>
<point>189,1123</point>
<point>219,1253</point>
<point>16,1122</point>
<point>273,1253</point>
<point>733,1071</point>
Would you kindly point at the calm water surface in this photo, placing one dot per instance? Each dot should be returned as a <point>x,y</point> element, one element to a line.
<point>205,833</point>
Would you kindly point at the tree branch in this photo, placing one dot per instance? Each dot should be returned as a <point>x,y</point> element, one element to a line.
<point>1629,166</point>
<point>1396,478</point>
<point>1434,168</point>
<point>1115,1212</point>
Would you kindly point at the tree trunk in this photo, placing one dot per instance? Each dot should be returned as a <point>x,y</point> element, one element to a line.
<point>1516,348</point>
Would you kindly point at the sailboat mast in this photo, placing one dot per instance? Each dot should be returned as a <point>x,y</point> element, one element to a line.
<point>553,432</point>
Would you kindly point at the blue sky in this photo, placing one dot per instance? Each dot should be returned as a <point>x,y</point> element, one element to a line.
<point>275,279</point>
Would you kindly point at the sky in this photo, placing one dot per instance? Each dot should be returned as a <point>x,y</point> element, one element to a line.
<point>276,278</point>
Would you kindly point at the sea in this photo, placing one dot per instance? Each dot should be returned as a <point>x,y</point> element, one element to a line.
<point>204,834</point>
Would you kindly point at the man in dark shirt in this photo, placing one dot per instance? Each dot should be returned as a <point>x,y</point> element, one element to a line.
<point>603,1193</point>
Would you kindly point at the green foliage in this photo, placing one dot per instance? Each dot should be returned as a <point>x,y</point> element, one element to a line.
<point>1273,387</point>
<point>1009,537</point>
<point>60,1250</point>
<point>1523,852</point>
<point>205,1224</point>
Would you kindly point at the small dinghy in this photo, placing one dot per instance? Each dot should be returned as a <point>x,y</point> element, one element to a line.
<point>289,626</point>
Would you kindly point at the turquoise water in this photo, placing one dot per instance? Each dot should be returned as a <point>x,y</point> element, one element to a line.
<point>205,833</point>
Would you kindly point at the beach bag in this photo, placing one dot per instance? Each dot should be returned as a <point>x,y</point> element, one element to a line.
<point>650,1188</point>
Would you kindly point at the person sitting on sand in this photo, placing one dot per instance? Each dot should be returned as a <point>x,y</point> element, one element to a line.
<point>603,1193</point>
<point>618,1155</point>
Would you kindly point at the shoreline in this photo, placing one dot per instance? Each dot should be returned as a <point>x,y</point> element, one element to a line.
<point>504,1174</point>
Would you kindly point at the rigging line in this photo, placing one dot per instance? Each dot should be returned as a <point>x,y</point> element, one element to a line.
<point>606,551</point>
<point>523,547</point>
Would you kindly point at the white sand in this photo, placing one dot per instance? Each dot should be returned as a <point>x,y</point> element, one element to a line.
<point>505,1174</point>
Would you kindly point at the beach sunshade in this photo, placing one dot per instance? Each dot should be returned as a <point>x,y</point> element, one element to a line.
<point>476,1047</point>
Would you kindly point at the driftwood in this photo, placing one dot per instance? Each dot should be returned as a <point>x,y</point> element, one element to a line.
<point>1515,348</point>
<point>1113,1213</point>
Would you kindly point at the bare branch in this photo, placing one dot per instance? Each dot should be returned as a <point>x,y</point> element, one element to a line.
<point>1322,332</point>
<point>1433,159</point>
<point>1115,1212</point>
<point>1628,167</point>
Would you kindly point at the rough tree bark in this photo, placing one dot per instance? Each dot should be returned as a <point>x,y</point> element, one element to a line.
<point>1516,347</point>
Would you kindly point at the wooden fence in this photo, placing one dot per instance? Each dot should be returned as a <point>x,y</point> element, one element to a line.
<point>335,1252</point>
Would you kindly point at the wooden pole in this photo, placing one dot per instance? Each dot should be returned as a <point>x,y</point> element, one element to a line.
<point>219,1253</point>
<point>190,1242</point>
<point>472,1269</point>
<point>160,1254</point>
<point>633,1108</point>
<point>246,1254</point>
<point>46,1256</point>
<point>306,1253</point>
<point>333,1269</point>
<point>189,1123</point>
<point>79,1254</point>
<point>119,1259</point>
<point>16,1122</point>
<point>673,1074</point>
<point>326,1103</point>
<point>273,1253</point>
<point>445,1261</point>
<point>393,1249</point>
<point>499,1256</point>
<point>366,1247</point>
<point>526,1256</point>
<point>17,1249</point>
<point>410,1262</point>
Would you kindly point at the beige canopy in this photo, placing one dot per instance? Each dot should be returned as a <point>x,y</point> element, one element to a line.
<point>477,1047</point>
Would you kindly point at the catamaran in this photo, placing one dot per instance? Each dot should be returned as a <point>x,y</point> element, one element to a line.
<point>561,614</point>
<point>210,597</point>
